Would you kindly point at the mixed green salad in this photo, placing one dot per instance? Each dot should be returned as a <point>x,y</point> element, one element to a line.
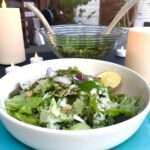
<point>82,46</point>
<point>69,100</point>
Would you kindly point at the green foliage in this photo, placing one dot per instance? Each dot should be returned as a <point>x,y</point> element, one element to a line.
<point>67,7</point>
<point>87,103</point>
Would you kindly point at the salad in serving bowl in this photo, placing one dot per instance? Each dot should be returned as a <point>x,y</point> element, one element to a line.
<point>70,100</point>
<point>76,98</point>
<point>82,41</point>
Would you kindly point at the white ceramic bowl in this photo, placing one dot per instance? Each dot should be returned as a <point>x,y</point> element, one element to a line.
<point>94,139</point>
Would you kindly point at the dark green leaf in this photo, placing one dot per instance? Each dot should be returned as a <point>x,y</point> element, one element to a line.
<point>88,85</point>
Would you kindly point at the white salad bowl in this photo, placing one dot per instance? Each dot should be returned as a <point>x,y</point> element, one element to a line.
<point>94,139</point>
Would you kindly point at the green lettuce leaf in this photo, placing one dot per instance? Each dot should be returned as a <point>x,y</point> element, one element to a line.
<point>26,118</point>
<point>80,126</point>
<point>15,103</point>
<point>78,107</point>
<point>128,106</point>
<point>34,102</point>
<point>94,104</point>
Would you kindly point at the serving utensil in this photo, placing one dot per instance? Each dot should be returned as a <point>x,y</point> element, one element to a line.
<point>128,5</point>
<point>124,9</point>
<point>42,18</point>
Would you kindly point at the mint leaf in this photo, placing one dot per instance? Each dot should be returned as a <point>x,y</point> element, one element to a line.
<point>88,85</point>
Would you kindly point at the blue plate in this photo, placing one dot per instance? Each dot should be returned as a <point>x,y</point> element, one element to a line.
<point>139,141</point>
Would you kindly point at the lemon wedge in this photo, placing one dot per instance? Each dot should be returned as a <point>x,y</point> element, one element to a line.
<point>111,79</point>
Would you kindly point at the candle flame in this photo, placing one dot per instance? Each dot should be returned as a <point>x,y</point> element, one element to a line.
<point>4,4</point>
<point>12,64</point>
<point>36,56</point>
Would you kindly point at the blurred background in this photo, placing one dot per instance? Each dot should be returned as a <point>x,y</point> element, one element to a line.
<point>95,12</point>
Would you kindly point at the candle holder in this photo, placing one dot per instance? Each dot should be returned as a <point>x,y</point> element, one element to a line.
<point>11,39</point>
<point>36,59</point>
<point>138,51</point>
<point>11,68</point>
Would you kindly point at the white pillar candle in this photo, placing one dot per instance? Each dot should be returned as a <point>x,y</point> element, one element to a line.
<point>138,51</point>
<point>36,59</point>
<point>11,68</point>
<point>11,37</point>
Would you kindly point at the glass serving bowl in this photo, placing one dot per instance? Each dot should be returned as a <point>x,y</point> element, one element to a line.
<point>82,41</point>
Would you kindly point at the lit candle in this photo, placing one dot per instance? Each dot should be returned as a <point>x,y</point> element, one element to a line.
<point>121,52</point>
<point>11,39</point>
<point>36,58</point>
<point>11,68</point>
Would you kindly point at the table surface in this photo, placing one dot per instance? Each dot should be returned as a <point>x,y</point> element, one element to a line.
<point>47,54</point>
<point>139,141</point>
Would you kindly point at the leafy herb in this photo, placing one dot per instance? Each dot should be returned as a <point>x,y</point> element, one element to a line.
<point>88,85</point>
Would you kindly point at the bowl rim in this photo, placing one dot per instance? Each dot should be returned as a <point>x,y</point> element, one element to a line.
<point>117,30</point>
<point>106,129</point>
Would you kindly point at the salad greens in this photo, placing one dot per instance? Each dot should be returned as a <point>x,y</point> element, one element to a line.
<point>82,46</point>
<point>69,100</point>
